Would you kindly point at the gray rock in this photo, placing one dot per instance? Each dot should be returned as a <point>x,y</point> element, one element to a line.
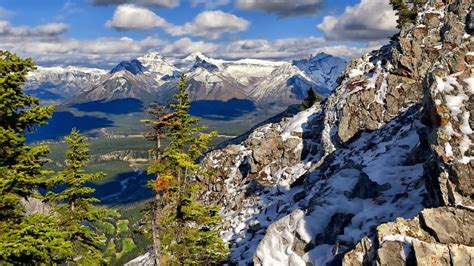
<point>335,227</point>
<point>427,254</point>
<point>450,225</point>
<point>34,206</point>
<point>390,254</point>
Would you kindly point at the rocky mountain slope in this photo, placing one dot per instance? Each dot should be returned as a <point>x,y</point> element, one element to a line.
<point>378,173</point>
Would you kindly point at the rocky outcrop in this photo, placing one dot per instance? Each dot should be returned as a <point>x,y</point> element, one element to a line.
<point>147,259</point>
<point>34,206</point>
<point>441,236</point>
<point>124,155</point>
<point>348,181</point>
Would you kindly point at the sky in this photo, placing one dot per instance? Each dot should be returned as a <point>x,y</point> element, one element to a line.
<point>101,33</point>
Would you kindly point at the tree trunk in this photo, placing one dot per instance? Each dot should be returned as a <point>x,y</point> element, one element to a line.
<point>156,211</point>
<point>156,229</point>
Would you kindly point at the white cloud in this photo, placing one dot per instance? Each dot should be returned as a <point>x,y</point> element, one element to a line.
<point>287,49</point>
<point>52,29</point>
<point>207,24</point>
<point>210,24</point>
<point>131,17</point>
<point>282,7</point>
<point>370,20</point>
<point>156,3</point>
<point>185,46</point>
<point>48,46</point>
<point>210,4</point>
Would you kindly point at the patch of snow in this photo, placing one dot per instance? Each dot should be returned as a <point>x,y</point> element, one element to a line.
<point>398,238</point>
<point>448,149</point>
<point>355,73</point>
<point>456,102</point>
<point>299,122</point>
<point>470,84</point>
<point>464,146</point>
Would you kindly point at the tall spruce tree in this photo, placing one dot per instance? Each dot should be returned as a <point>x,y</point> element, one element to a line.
<point>74,206</point>
<point>187,229</point>
<point>34,238</point>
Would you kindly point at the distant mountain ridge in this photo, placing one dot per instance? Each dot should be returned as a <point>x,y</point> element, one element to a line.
<point>153,77</point>
<point>63,81</point>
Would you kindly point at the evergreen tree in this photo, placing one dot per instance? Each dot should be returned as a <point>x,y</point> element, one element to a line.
<point>160,123</point>
<point>74,207</point>
<point>310,99</point>
<point>187,228</point>
<point>407,10</point>
<point>24,238</point>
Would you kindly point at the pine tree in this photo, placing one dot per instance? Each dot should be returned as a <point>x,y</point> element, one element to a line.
<point>74,205</point>
<point>407,10</point>
<point>160,124</point>
<point>187,228</point>
<point>35,238</point>
<point>310,99</point>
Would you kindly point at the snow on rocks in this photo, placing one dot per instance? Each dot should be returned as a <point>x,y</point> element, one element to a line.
<point>299,123</point>
<point>320,187</point>
<point>343,202</point>
<point>454,93</point>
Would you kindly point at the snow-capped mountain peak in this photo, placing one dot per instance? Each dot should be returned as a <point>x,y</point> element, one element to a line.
<point>156,63</point>
<point>189,61</point>
<point>153,56</point>
<point>133,66</point>
<point>202,63</point>
<point>323,68</point>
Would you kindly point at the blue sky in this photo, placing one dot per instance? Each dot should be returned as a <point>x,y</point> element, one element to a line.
<point>102,32</point>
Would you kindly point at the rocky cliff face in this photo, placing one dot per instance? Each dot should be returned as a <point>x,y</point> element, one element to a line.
<point>381,172</point>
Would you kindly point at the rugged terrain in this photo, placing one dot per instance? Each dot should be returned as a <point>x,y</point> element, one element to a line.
<point>153,77</point>
<point>378,173</point>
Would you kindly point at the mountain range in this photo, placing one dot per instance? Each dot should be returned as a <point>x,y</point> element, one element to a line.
<point>152,77</point>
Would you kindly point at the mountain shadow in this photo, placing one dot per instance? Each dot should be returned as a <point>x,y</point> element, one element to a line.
<point>44,94</point>
<point>125,188</point>
<point>221,110</point>
<point>115,107</point>
<point>62,123</point>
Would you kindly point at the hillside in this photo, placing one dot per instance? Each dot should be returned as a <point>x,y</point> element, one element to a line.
<point>380,172</point>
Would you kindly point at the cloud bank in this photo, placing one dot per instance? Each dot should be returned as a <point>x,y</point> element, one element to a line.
<point>209,24</point>
<point>281,7</point>
<point>370,20</point>
<point>156,3</point>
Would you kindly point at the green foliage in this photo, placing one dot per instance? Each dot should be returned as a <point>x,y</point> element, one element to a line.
<point>190,237</point>
<point>310,99</point>
<point>20,164</point>
<point>407,10</point>
<point>74,206</point>
<point>36,238</point>
<point>187,229</point>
